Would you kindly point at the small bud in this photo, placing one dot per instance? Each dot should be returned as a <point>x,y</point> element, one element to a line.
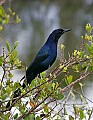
<point>60,67</point>
<point>82,37</point>
<point>88,27</point>
<point>62,47</point>
<point>50,75</point>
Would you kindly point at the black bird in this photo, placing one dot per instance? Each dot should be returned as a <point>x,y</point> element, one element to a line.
<point>46,55</point>
<point>44,58</point>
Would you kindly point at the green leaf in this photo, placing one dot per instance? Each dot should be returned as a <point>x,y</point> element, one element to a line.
<point>0,84</point>
<point>88,27</point>
<point>61,66</point>
<point>18,20</point>
<point>18,64</point>
<point>7,116</point>
<point>0,97</point>
<point>1,28</point>
<point>2,11</point>
<point>37,118</point>
<point>46,109</point>
<point>60,96</point>
<point>14,53</point>
<point>10,75</point>
<point>42,74</point>
<point>15,45</point>
<point>50,88</point>
<point>89,48</point>
<point>53,85</point>
<point>11,12</point>
<point>81,114</point>
<point>30,117</point>
<point>84,65</point>
<point>16,85</point>
<point>65,69</point>
<point>15,116</point>
<point>1,60</point>
<point>4,96</point>
<point>13,56</point>
<point>8,90</point>
<point>68,79</point>
<point>7,46</point>
<point>43,93</point>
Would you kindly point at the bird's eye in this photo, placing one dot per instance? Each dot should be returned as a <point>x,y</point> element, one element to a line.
<point>60,31</point>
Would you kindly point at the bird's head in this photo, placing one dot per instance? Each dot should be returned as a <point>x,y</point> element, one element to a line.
<point>56,34</point>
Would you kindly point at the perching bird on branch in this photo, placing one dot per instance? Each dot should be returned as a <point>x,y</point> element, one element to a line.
<point>46,55</point>
<point>44,58</point>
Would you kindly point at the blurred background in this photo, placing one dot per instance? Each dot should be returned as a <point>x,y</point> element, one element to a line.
<point>39,19</point>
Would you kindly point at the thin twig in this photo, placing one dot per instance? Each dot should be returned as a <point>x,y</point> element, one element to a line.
<point>76,81</point>
<point>28,112</point>
<point>90,115</point>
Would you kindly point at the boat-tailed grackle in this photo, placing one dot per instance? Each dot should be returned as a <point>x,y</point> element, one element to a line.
<point>44,58</point>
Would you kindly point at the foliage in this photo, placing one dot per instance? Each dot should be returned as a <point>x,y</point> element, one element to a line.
<point>42,98</point>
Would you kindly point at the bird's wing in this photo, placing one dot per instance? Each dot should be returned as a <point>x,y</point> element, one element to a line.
<point>40,57</point>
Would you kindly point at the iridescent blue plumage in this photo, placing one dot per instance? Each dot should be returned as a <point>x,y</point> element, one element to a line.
<point>44,58</point>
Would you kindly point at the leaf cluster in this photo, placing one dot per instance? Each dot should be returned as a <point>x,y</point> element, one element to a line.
<point>44,95</point>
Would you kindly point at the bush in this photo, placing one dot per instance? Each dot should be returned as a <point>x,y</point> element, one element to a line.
<point>44,96</point>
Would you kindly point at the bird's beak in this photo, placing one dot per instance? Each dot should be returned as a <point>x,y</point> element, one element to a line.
<point>66,30</point>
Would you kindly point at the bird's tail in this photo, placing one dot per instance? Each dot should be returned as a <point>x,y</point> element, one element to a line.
<point>18,91</point>
<point>22,78</point>
<point>16,94</point>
